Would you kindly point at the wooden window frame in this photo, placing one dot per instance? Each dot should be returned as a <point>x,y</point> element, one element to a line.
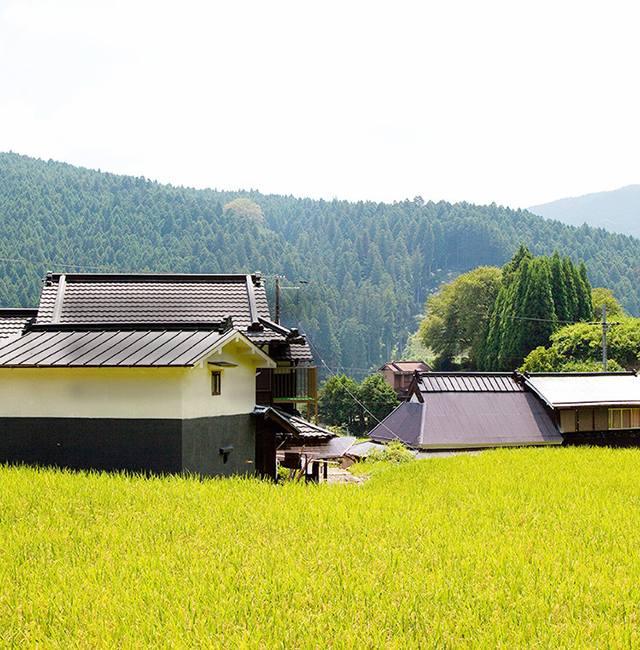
<point>216,382</point>
<point>628,414</point>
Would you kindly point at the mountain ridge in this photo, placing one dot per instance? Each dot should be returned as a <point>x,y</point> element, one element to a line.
<point>369,266</point>
<point>615,210</point>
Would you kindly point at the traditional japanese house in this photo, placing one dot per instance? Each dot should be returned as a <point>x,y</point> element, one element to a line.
<point>398,374</point>
<point>456,410</point>
<point>150,372</point>
<point>591,408</point>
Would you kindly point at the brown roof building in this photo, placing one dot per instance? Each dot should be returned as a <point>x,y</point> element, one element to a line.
<point>398,374</point>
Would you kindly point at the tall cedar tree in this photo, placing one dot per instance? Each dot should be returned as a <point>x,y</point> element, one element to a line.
<point>525,314</point>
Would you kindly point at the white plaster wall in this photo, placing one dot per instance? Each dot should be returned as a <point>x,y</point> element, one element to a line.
<point>149,393</point>
<point>238,384</point>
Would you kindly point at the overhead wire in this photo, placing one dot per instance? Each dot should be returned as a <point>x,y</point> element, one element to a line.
<point>339,380</point>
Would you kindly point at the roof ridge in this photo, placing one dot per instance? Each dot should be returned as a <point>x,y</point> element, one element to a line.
<point>52,278</point>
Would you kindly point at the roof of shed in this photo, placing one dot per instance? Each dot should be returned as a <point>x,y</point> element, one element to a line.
<point>467,420</point>
<point>112,348</point>
<point>294,424</point>
<point>406,366</point>
<point>13,321</point>
<point>566,390</point>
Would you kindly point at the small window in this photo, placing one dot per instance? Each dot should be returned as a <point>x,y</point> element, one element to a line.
<point>624,418</point>
<point>215,382</point>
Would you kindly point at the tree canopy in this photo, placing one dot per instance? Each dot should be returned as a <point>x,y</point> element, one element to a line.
<point>454,326</point>
<point>356,408</point>
<point>370,266</point>
<point>490,319</point>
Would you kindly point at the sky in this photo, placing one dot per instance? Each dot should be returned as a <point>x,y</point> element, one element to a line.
<point>496,101</point>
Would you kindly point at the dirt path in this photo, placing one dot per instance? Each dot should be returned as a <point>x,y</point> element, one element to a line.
<point>342,477</point>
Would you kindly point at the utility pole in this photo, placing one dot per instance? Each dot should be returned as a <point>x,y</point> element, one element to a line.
<point>605,327</point>
<point>278,287</point>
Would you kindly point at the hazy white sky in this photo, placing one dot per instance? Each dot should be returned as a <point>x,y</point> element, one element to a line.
<point>514,102</point>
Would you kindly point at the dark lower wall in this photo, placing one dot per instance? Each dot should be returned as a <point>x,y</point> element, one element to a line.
<point>86,443</point>
<point>202,439</point>
<point>622,438</point>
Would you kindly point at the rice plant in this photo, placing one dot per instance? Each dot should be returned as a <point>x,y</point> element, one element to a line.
<point>506,549</point>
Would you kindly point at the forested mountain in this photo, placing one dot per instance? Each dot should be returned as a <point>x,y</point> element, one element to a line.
<point>618,210</point>
<point>369,266</point>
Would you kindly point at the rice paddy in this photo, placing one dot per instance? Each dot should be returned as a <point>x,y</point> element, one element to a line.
<point>507,549</point>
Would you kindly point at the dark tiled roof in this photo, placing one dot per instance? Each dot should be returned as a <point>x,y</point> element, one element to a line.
<point>331,449</point>
<point>463,382</point>
<point>13,321</point>
<point>293,424</point>
<point>157,298</point>
<point>123,300</point>
<point>111,348</point>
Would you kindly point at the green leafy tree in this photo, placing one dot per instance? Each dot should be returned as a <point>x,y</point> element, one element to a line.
<point>456,316</point>
<point>245,208</point>
<point>600,297</point>
<point>578,347</point>
<point>524,314</point>
<point>378,398</point>
<point>358,408</point>
<point>338,402</point>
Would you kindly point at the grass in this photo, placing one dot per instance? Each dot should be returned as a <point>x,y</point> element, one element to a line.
<point>507,549</point>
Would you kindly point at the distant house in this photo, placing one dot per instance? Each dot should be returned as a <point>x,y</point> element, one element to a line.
<point>459,410</point>
<point>148,373</point>
<point>453,410</point>
<point>398,374</point>
<point>591,408</point>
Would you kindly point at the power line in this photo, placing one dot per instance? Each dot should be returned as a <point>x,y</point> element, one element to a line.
<point>353,397</point>
<point>54,264</point>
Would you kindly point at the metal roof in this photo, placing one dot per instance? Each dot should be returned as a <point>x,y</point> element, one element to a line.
<point>467,420</point>
<point>99,348</point>
<point>586,389</point>
<point>463,382</point>
<point>13,321</point>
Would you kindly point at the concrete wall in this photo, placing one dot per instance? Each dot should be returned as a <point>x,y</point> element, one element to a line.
<point>202,439</point>
<point>103,443</point>
<point>238,384</point>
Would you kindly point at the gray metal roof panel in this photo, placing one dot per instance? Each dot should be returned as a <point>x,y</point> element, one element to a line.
<point>110,348</point>
<point>66,350</point>
<point>11,347</point>
<point>404,423</point>
<point>486,419</point>
<point>121,343</point>
<point>466,419</point>
<point>586,389</point>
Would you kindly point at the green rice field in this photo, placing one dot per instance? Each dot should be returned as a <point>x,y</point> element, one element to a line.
<point>529,548</point>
